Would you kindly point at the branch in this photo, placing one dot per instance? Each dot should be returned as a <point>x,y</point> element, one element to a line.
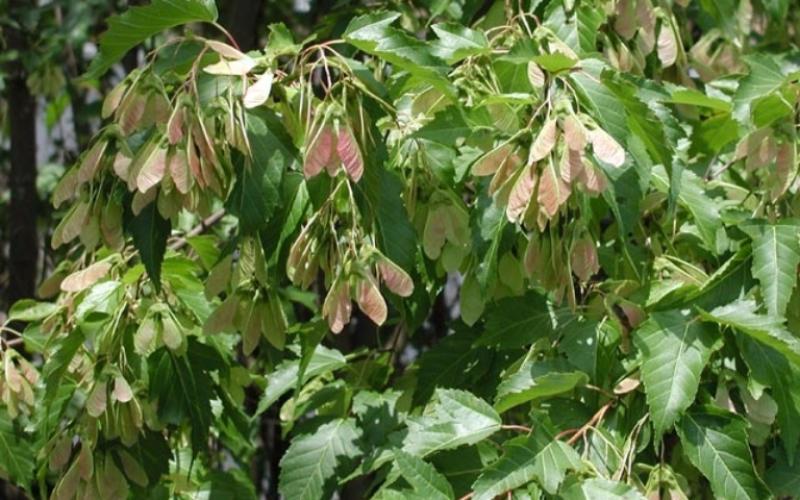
<point>198,229</point>
<point>578,433</point>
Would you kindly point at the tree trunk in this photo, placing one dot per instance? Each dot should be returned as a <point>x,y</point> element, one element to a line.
<point>22,233</point>
<point>243,22</point>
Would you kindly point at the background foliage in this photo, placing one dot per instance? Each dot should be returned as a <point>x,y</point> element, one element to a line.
<point>398,250</point>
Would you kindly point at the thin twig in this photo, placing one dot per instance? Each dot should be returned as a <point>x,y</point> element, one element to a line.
<point>227,35</point>
<point>514,427</point>
<point>591,423</point>
<point>198,229</point>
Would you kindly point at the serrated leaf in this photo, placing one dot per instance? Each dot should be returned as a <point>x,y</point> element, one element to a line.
<point>526,459</point>
<point>602,102</point>
<point>693,197</point>
<point>423,477</point>
<point>742,316</point>
<point>16,456</point>
<point>446,127</point>
<point>552,463</point>
<point>184,389</point>
<point>516,321</point>
<point>595,488</point>
<point>373,34</point>
<point>783,477</point>
<point>150,232</point>
<point>555,62</point>
<point>769,368</point>
<point>453,419</point>
<point>694,97</point>
<point>452,363</point>
<point>764,78</point>
<point>312,460</point>
<point>254,196</point>
<point>537,380</point>
<point>137,24</point>
<point>457,42</point>
<point>31,310</point>
<point>642,121</point>
<point>715,442</point>
<point>284,377</point>
<point>776,255</point>
<point>382,188</point>
<point>510,471</point>
<point>675,348</point>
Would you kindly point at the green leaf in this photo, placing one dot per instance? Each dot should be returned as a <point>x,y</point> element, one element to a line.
<point>234,483</point>
<point>715,442</point>
<point>292,208</point>
<point>16,456</point>
<point>583,343</point>
<point>525,459</point>
<point>101,301</point>
<point>597,488</point>
<point>776,254</point>
<point>31,310</point>
<point>555,62</point>
<point>641,120</point>
<point>423,477</point>
<point>579,28</point>
<point>741,315</point>
<point>693,197</point>
<point>183,388</point>
<point>311,335</point>
<point>57,364</point>
<point>765,77</point>
<point>675,349</point>
<point>603,104</point>
<point>769,368</point>
<point>512,470</point>
<point>446,127</point>
<point>254,196</point>
<point>314,460</point>
<point>716,132</point>
<point>281,41</point>
<point>383,190</point>
<point>694,97</point>
<point>452,363</point>
<point>536,380</point>
<point>770,109</point>
<point>453,419</point>
<point>783,477</point>
<point>137,24</point>
<point>285,375</point>
<point>493,225</point>
<point>726,284</point>
<point>373,34</point>
<point>150,232</point>
<point>457,42</point>
<point>553,462</point>
<point>517,321</point>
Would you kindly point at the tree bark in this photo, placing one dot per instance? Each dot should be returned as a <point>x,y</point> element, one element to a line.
<point>23,209</point>
<point>243,22</point>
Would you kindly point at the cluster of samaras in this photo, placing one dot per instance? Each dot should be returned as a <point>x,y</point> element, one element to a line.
<point>185,150</point>
<point>532,191</point>
<point>766,147</point>
<point>351,275</point>
<point>16,384</point>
